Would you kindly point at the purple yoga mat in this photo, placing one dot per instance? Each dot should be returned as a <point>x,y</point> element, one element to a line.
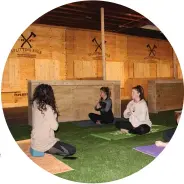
<point>151,150</point>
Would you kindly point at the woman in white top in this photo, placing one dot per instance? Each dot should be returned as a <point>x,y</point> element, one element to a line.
<point>44,123</point>
<point>136,114</point>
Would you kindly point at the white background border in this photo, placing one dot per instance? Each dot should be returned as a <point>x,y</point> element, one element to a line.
<point>15,17</point>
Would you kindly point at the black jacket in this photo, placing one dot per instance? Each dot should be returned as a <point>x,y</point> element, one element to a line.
<point>106,109</point>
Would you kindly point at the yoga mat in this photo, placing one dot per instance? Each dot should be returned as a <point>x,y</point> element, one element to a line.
<point>89,124</point>
<point>117,135</point>
<point>151,150</point>
<point>48,162</point>
<point>85,124</point>
<point>114,135</point>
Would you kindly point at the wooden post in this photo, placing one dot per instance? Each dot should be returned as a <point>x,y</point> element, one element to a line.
<point>103,43</point>
<point>174,65</point>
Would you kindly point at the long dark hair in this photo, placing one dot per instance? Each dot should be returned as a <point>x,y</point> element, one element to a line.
<point>44,95</point>
<point>107,91</point>
<point>140,90</point>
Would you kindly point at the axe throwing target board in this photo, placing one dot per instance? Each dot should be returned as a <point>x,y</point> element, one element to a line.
<point>76,99</point>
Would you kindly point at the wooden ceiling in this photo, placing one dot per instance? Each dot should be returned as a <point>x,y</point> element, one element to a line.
<point>86,15</point>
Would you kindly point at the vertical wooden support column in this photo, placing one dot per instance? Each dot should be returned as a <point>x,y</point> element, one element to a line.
<point>103,43</point>
<point>174,65</point>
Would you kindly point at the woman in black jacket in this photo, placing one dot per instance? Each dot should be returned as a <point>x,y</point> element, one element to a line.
<point>105,107</point>
<point>167,135</point>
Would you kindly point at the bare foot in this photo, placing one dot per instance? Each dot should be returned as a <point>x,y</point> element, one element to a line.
<point>123,131</point>
<point>161,144</point>
<point>98,123</point>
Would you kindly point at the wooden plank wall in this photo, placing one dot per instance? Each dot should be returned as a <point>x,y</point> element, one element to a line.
<point>165,95</point>
<point>178,71</point>
<point>146,62</point>
<point>83,54</point>
<point>76,99</point>
<point>50,64</point>
<point>62,53</point>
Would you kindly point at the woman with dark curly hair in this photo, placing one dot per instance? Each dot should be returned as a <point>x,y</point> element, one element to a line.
<point>44,123</point>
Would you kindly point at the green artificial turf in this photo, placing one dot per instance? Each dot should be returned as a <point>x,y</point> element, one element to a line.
<point>99,160</point>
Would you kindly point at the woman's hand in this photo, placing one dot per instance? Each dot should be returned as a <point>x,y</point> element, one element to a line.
<point>129,114</point>
<point>98,106</point>
<point>132,109</point>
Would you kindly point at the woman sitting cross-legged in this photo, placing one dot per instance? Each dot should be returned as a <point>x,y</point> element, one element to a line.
<point>136,114</point>
<point>105,107</point>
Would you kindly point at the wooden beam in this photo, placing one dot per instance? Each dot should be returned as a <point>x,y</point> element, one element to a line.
<point>113,19</point>
<point>142,23</point>
<point>134,15</point>
<point>68,24</point>
<point>142,33</point>
<point>129,23</point>
<point>175,73</point>
<point>107,6</point>
<point>80,20</point>
<point>110,14</point>
<point>96,17</point>
<point>103,43</point>
<point>77,5</point>
<point>116,17</point>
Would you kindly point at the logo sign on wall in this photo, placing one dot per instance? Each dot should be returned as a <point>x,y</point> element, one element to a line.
<point>26,48</point>
<point>151,52</point>
<point>20,94</point>
<point>97,54</point>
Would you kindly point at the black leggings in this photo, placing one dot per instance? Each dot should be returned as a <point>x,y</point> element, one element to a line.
<point>62,149</point>
<point>103,120</point>
<point>168,134</point>
<point>140,130</point>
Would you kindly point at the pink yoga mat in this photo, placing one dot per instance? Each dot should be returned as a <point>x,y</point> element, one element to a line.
<point>151,150</point>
